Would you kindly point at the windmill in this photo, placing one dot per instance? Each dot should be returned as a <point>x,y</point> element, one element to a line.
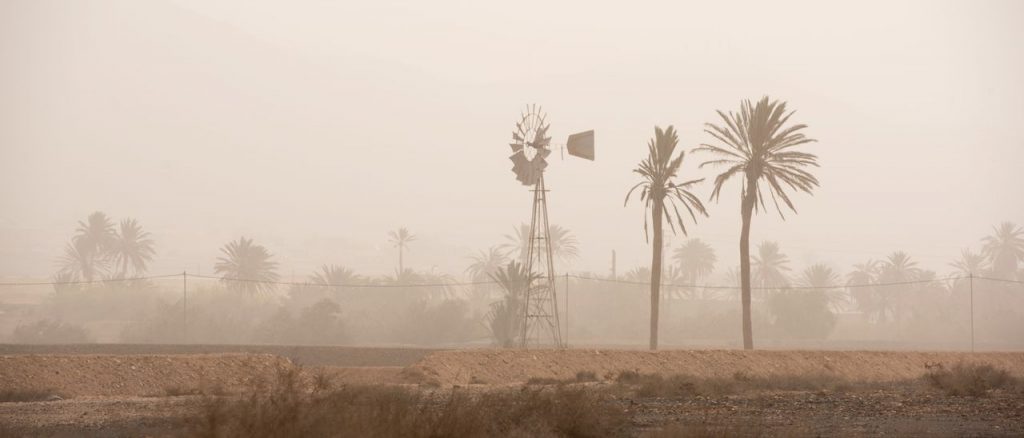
<point>530,149</point>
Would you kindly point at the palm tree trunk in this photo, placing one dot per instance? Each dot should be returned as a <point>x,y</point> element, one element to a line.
<point>657,214</point>
<point>747,211</point>
<point>401,269</point>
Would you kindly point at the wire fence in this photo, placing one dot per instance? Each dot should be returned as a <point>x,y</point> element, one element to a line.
<point>596,310</point>
<point>494,282</point>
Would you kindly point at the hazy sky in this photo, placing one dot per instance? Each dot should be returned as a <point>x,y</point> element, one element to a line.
<point>318,126</point>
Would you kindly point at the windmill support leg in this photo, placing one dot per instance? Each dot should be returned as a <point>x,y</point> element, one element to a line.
<point>541,319</point>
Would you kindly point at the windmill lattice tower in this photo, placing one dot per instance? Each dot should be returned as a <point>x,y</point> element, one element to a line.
<point>530,149</point>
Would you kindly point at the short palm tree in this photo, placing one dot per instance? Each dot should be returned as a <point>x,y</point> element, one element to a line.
<point>486,263</point>
<point>1004,249</point>
<point>81,260</point>
<point>401,238</point>
<point>131,248</point>
<point>507,316</point>
<point>757,145</point>
<point>663,197</point>
<point>771,266</point>
<point>823,279</point>
<point>969,263</point>
<point>246,267</point>
<point>696,261</point>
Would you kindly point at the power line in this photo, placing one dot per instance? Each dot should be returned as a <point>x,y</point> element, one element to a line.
<point>697,286</point>
<point>107,280</point>
<point>476,283</point>
<point>351,285</point>
<point>1000,279</point>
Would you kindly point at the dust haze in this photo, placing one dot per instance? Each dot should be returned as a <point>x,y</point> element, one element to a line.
<point>338,174</point>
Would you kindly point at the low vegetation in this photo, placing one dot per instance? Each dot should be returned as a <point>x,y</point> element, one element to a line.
<point>290,406</point>
<point>974,380</point>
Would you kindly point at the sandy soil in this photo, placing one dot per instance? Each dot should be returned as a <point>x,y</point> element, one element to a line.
<point>513,366</point>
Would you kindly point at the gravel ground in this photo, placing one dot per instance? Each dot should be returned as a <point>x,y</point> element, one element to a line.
<point>900,411</point>
<point>892,412</point>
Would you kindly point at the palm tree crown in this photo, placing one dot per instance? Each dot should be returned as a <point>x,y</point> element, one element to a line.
<point>486,263</point>
<point>696,260</point>
<point>1004,248</point>
<point>131,248</point>
<point>97,231</point>
<point>564,246</point>
<point>969,263</point>
<point>657,186</point>
<point>759,147</point>
<point>246,267</point>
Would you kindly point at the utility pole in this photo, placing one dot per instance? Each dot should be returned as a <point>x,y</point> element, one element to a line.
<point>184,307</point>
<point>566,310</point>
<point>972,311</point>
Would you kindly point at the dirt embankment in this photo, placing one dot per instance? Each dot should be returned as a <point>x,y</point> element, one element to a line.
<point>513,366</point>
<point>134,375</point>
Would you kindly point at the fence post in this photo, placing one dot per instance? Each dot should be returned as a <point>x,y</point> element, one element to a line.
<point>184,307</point>
<point>972,311</point>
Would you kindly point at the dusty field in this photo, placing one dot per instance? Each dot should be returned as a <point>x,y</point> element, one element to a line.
<point>136,394</point>
<point>134,375</point>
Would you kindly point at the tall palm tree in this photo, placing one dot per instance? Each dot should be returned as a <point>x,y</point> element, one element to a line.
<point>658,192</point>
<point>757,145</point>
<point>771,266</point>
<point>131,248</point>
<point>246,267</point>
<point>1004,248</point>
<point>564,246</point>
<point>401,238</point>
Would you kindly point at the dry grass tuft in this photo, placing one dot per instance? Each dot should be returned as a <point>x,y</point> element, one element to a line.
<point>973,380</point>
<point>27,395</point>
<point>656,385</point>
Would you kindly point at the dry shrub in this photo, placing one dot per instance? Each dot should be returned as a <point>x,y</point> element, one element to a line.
<point>48,331</point>
<point>286,407</point>
<point>27,395</point>
<point>656,385</point>
<point>968,379</point>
